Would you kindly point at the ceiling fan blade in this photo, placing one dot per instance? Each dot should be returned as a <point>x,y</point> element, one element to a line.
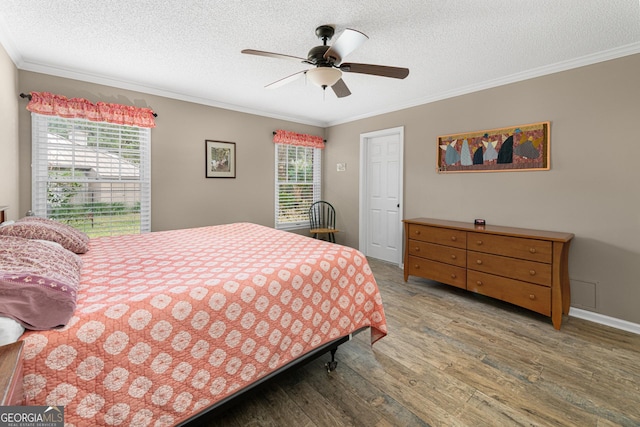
<point>348,41</point>
<point>285,80</point>
<point>273,55</point>
<point>375,70</point>
<point>340,89</point>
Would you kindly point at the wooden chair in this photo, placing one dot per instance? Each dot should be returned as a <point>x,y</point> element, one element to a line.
<point>322,220</point>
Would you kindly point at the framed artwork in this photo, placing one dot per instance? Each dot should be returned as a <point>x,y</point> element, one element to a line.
<point>515,148</point>
<point>220,159</point>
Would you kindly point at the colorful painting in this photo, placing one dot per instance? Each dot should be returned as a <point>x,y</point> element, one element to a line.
<point>517,148</point>
<point>221,159</point>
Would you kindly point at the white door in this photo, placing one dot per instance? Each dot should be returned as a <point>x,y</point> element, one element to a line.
<point>381,155</point>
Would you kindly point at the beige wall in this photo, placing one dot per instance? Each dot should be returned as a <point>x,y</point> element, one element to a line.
<point>9,99</point>
<point>591,189</point>
<point>181,196</point>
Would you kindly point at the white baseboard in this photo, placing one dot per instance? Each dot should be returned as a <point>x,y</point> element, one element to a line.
<point>605,320</point>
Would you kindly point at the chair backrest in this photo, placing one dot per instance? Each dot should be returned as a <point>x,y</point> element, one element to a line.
<point>322,215</point>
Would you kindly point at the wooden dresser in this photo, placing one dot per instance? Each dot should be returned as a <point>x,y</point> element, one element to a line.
<point>11,374</point>
<point>528,268</point>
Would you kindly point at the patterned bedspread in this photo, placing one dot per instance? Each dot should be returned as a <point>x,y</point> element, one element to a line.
<point>168,323</point>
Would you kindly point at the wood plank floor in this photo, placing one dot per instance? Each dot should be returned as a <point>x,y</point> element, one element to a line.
<point>453,358</point>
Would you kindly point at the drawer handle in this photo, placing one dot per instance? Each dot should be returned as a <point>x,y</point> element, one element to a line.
<point>479,283</point>
<point>453,275</point>
<point>417,232</point>
<point>417,248</point>
<point>532,297</point>
<point>532,272</point>
<point>453,257</point>
<point>417,267</point>
<point>479,242</point>
<point>478,261</point>
<point>454,238</point>
<point>532,250</point>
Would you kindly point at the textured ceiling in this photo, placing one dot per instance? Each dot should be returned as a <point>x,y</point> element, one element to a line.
<point>190,49</point>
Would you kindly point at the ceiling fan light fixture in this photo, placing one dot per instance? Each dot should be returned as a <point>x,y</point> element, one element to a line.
<point>324,76</point>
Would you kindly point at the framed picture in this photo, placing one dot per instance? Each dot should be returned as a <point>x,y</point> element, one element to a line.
<point>221,159</point>
<point>515,148</point>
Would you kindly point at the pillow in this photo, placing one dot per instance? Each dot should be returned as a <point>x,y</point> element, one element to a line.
<point>10,330</point>
<point>66,227</point>
<point>49,242</point>
<point>48,229</point>
<point>38,282</point>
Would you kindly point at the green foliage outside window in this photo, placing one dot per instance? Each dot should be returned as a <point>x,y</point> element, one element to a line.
<point>295,183</point>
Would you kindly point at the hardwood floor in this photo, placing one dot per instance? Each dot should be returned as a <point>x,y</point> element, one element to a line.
<point>453,358</point>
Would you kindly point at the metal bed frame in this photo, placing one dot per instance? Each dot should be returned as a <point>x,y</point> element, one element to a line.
<point>225,404</point>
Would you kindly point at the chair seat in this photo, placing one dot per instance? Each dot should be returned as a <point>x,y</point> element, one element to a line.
<point>323,230</point>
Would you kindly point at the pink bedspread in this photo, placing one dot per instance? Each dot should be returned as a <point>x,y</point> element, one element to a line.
<point>168,323</point>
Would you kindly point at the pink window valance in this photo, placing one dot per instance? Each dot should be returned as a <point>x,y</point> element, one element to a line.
<point>57,105</point>
<point>300,139</point>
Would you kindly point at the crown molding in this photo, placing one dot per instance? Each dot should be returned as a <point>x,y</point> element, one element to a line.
<point>151,90</point>
<point>619,52</point>
<point>626,50</point>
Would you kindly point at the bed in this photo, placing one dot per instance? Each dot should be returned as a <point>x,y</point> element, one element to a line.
<point>169,325</point>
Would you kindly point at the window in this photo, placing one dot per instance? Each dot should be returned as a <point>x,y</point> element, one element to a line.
<point>92,175</point>
<point>298,177</point>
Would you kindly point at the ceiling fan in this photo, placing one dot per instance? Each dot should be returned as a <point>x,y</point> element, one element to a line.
<point>328,62</point>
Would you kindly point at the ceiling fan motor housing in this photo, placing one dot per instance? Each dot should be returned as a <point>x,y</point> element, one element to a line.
<point>316,56</point>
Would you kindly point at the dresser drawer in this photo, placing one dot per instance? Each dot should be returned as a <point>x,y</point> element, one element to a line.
<point>438,271</point>
<point>528,271</point>
<point>440,236</point>
<point>446,254</point>
<point>533,297</point>
<point>515,247</point>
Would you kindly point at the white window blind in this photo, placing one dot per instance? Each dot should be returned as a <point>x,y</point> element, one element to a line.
<point>94,176</point>
<point>298,178</point>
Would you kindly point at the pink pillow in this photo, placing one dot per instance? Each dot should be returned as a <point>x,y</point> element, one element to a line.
<point>67,228</point>
<point>48,229</point>
<point>38,282</point>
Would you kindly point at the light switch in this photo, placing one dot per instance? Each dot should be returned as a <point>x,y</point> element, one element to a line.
<point>341,167</point>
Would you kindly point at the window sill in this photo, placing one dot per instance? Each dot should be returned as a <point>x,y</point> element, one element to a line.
<point>298,226</point>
